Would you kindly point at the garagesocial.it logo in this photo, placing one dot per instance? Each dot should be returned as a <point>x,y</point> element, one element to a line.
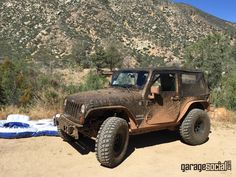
<point>218,166</point>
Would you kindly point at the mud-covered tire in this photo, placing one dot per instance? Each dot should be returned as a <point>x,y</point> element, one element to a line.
<point>64,135</point>
<point>195,128</point>
<point>112,141</point>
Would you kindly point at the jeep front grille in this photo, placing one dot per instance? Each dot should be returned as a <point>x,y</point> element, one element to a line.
<point>72,109</point>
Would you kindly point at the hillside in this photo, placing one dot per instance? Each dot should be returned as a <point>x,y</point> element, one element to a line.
<point>158,29</point>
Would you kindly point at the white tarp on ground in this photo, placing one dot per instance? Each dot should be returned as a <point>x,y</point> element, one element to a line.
<point>20,126</point>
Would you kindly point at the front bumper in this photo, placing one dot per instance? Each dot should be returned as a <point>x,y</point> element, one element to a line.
<point>68,126</point>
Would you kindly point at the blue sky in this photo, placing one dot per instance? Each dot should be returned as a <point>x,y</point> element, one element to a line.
<point>224,9</point>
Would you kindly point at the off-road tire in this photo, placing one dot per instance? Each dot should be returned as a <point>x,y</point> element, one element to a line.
<point>64,135</point>
<point>195,128</point>
<point>112,141</point>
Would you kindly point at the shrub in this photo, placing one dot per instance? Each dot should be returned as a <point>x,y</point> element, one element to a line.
<point>211,55</point>
<point>93,82</point>
<point>2,99</point>
<point>16,82</point>
<point>110,57</point>
<point>72,88</point>
<point>113,57</point>
<point>216,56</point>
<point>52,96</point>
<point>226,95</point>
<point>20,85</point>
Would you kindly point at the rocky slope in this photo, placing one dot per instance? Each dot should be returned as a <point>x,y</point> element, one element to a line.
<point>152,28</point>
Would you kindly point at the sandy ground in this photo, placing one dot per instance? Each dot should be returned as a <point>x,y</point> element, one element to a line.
<point>153,154</point>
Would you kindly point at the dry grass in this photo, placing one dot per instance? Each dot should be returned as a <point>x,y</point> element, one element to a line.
<point>232,117</point>
<point>222,114</point>
<point>221,117</point>
<point>39,111</point>
<point>4,112</point>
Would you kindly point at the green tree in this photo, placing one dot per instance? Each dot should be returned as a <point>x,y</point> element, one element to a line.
<point>109,57</point>
<point>93,82</point>
<point>216,55</point>
<point>16,83</point>
<point>113,57</point>
<point>80,53</point>
<point>99,58</point>
<point>229,91</point>
<point>5,49</point>
<point>2,99</point>
<point>211,55</point>
<point>45,56</point>
<point>226,95</point>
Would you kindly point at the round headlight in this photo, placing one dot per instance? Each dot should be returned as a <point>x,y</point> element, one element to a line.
<point>82,109</point>
<point>58,115</point>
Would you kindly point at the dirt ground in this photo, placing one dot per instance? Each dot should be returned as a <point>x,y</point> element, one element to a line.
<point>152,154</point>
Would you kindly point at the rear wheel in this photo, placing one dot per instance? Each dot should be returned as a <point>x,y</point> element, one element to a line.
<point>112,141</point>
<point>195,128</point>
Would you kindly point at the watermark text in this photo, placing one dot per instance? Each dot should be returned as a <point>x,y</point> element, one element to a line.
<point>218,166</point>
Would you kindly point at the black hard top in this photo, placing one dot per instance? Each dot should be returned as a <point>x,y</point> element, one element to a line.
<point>166,69</point>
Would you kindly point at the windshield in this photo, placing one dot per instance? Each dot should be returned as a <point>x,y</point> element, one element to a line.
<point>126,79</point>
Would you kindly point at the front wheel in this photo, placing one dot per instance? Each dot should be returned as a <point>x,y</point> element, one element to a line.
<point>112,141</point>
<point>195,128</point>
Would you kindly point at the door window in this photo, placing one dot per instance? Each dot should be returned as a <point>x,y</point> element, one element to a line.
<point>165,81</point>
<point>192,84</point>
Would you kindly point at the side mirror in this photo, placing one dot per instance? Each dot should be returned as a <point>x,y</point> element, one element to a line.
<point>155,90</point>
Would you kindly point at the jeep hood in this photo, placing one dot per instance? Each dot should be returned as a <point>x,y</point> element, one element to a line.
<point>106,97</point>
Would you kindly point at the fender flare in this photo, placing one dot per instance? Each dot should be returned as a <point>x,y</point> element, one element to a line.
<point>205,105</point>
<point>131,118</point>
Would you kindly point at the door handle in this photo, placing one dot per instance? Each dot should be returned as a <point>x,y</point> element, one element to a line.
<point>175,98</point>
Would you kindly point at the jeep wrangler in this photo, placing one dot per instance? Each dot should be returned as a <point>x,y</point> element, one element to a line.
<point>138,101</point>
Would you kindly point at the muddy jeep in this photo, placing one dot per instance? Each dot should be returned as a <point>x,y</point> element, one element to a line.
<point>138,101</point>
